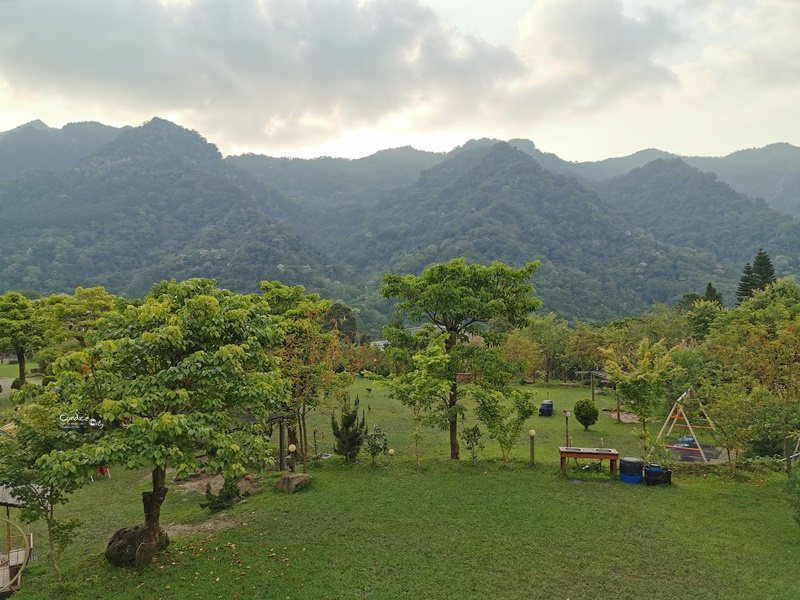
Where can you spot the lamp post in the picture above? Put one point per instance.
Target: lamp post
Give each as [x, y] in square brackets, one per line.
[532, 433]
[291, 461]
[567, 415]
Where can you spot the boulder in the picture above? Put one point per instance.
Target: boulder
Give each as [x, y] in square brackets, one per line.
[121, 549]
[290, 482]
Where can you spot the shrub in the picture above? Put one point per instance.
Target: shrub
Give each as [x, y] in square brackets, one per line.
[376, 443]
[471, 436]
[15, 385]
[586, 412]
[226, 498]
[47, 380]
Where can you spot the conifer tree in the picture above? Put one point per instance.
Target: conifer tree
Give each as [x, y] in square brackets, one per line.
[747, 282]
[762, 268]
[712, 295]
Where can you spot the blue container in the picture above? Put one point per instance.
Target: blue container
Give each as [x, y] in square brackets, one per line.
[630, 469]
[630, 478]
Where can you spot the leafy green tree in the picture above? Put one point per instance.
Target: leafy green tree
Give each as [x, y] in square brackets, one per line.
[582, 349]
[20, 328]
[178, 381]
[33, 468]
[758, 345]
[341, 318]
[504, 423]
[460, 299]
[550, 333]
[586, 412]
[424, 388]
[68, 321]
[640, 379]
[732, 408]
[309, 356]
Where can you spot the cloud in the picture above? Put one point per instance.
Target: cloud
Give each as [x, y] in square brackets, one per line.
[280, 71]
[584, 55]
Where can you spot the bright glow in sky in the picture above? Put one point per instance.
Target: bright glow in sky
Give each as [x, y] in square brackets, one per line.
[586, 79]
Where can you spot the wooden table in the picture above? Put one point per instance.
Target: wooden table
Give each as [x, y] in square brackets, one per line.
[608, 454]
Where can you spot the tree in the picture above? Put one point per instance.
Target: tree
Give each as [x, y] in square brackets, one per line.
[460, 300]
[586, 412]
[758, 345]
[309, 356]
[756, 276]
[712, 295]
[27, 460]
[504, 423]
[20, 328]
[340, 317]
[425, 388]
[68, 321]
[178, 381]
[582, 349]
[640, 379]
[349, 432]
[732, 409]
[763, 269]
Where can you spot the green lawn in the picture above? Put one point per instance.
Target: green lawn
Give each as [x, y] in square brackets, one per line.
[452, 529]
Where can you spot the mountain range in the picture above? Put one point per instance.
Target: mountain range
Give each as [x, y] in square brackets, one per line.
[89, 204]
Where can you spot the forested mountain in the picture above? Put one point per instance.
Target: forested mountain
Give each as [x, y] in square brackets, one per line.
[156, 202]
[683, 206]
[131, 206]
[497, 203]
[37, 146]
[323, 196]
[771, 173]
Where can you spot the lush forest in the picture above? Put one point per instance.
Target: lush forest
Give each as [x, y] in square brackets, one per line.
[90, 205]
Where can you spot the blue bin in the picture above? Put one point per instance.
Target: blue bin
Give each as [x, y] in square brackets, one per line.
[630, 469]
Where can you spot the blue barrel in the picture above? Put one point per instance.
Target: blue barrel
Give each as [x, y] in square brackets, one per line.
[630, 469]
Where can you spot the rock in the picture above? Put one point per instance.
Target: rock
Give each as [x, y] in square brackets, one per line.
[290, 482]
[121, 549]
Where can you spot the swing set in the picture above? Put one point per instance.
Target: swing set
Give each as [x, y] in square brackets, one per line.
[690, 443]
[16, 547]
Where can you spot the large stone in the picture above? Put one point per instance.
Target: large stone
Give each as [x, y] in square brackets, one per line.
[121, 549]
[290, 482]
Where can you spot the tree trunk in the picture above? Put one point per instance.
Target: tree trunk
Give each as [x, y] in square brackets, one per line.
[152, 517]
[53, 549]
[21, 360]
[454, 449]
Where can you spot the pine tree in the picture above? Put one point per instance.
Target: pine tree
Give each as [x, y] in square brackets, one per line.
[755, 277]
[762, 268]
[712, 295]
[746, 284]
[349, 432]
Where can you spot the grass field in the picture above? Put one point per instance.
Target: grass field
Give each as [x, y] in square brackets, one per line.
[451, 529]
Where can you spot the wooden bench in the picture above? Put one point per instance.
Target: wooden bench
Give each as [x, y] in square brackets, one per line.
[608, 454]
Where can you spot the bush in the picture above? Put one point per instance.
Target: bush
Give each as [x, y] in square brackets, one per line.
[15, 385]
[471, 436]
[226, 498]
[586, 412]
[47, 380]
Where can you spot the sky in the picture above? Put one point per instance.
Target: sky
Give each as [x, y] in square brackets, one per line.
[584, 79]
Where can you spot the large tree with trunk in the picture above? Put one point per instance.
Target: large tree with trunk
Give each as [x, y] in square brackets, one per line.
[460, 299]
[182, 380]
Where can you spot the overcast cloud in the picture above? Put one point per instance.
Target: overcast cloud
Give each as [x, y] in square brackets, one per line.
[348, 77]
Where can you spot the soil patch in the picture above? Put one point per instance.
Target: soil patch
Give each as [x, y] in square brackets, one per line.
[625, 416]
